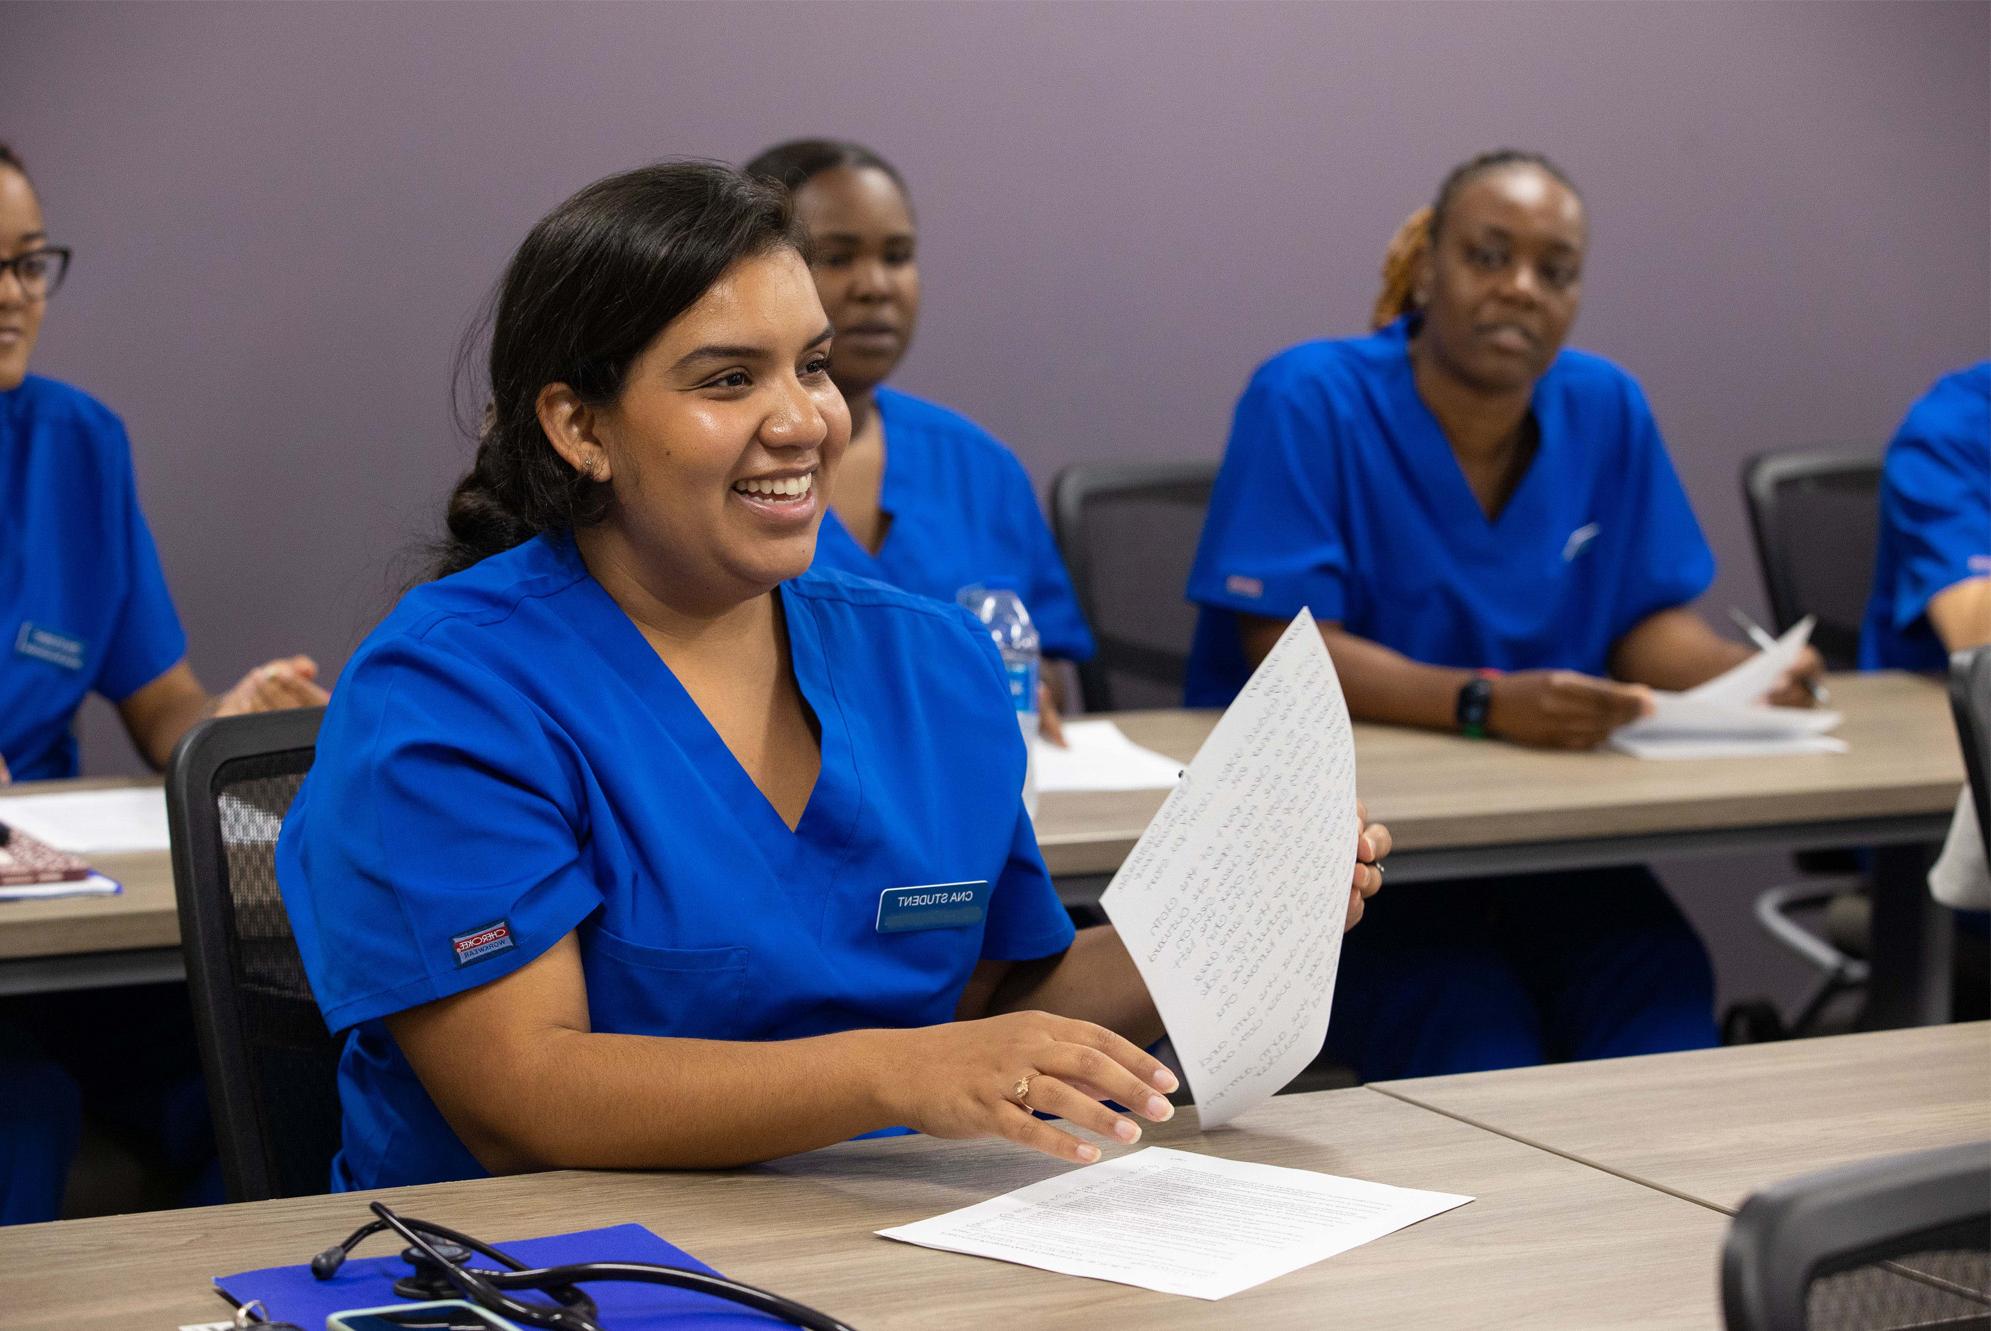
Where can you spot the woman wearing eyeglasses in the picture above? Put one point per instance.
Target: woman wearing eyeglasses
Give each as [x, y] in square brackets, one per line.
[84, 608]
[83, 601]
[633, 842]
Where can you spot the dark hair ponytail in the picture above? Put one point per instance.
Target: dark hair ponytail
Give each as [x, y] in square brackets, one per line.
[592, 285]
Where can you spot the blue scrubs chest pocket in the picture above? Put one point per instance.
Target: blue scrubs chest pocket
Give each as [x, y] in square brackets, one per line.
[698, 992]
[932, 906]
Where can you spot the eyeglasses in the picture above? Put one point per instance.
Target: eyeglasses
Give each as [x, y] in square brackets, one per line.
[39, 272]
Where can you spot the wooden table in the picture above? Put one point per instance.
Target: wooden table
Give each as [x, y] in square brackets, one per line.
[1462, 808]
[1549, 1242]
[93, 942]
[1716, 1125]
[1456, 807]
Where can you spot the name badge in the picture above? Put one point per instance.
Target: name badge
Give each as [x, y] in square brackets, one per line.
[48, 645]
[934, 906]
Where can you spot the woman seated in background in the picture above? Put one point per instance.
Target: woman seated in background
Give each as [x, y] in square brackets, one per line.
[1491, 535]
[84, 608]
[83, 602]
[926, 499]
[619, 803]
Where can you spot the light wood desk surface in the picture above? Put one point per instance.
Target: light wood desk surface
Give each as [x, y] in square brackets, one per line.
[141, 918]
[1443, 792]
[1716, 1125]
[1548, 1243]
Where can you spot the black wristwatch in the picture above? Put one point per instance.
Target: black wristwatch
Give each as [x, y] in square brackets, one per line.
[1475, 701]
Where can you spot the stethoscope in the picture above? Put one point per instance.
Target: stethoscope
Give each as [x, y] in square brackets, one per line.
[439, 1260]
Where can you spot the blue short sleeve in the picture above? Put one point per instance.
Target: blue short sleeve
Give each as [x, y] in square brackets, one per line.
[146, 640]
[1026, 920]
[1272, 540]
[441, 843]
[1669, 562]
[1935, 519]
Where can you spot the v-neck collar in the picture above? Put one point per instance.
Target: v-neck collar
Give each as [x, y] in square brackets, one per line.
[1430, 454]
[829, 815]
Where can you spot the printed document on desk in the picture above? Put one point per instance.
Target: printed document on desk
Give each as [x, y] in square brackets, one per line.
[1233, 901]
[1099, 756]
[92, 822]
[1178, 1222]
[1726, 717]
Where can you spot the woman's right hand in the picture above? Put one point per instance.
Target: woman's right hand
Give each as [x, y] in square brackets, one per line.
[1562, 709]
[958, 1079]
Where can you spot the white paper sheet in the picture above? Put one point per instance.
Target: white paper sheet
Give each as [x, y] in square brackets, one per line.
[1748, 682]
[1233, 900]
[1178, 1222]
[96, 885]
[1099, 756]
[92, 822]
[1726, 717]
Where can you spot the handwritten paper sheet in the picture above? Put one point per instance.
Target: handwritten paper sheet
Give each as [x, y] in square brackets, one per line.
[92, 822]
[1727, 718]
[1178, 1222]
[1099, 756]
[1232, 902]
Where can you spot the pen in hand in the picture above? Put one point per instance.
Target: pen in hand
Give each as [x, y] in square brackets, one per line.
[1764, 642]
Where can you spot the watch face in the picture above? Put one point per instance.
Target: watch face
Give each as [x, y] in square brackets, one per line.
[1475, 699]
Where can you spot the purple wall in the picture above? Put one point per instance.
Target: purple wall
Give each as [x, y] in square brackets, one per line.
[285, 215]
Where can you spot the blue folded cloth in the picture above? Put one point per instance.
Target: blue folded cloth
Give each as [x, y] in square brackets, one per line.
[290, 1293]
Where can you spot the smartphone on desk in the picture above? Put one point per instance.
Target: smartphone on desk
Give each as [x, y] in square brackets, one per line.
[449, 1315]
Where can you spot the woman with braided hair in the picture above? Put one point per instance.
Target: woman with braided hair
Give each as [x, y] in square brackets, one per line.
[1490, 533]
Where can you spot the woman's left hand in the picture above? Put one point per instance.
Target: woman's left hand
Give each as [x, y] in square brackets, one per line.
[1370, 851]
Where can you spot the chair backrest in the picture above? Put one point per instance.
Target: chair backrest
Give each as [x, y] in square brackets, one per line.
[1128, 532]
[271, 1065]
[1970, 701]
[1901, 1241]
[1816, 517]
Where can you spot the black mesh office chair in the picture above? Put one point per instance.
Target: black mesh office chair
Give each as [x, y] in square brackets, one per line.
[1970, 701]
[1128, 532]
[1898, 1242]
[1816, 520]
[271, 1065]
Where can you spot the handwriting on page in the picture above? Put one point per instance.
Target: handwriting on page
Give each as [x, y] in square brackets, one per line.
[1233, 902]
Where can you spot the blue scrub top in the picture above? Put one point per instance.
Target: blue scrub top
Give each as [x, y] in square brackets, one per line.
[1339, 492]
[1935, 519]
[963, 512]
[83, 601]
[506, 760]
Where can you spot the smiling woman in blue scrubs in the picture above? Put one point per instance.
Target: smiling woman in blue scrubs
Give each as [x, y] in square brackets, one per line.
[83, 609]
[1489, 531]
[926, 499]
[632, 841]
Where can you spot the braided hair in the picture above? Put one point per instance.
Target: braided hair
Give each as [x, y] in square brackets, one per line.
[592, 285]
[1413, 240]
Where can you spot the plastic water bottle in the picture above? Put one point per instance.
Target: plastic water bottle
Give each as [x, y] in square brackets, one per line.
[1001, 610]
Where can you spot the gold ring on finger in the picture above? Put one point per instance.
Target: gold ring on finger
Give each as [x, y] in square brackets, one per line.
[1021, 1092]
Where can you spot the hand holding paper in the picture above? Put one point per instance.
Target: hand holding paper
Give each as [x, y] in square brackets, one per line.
[1233, 902]
[1726, 717]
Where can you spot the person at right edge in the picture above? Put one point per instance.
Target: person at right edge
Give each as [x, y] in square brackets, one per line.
[1931, 597]
[1490, 533]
